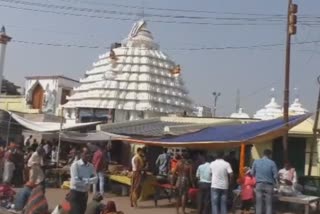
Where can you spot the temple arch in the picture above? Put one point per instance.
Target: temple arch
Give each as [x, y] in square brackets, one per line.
[37, 97]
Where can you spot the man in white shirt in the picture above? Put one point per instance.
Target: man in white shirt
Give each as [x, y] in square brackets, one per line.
[288, 179]
[204, 176]
[35, 163]
[222, 173]
[82, 176]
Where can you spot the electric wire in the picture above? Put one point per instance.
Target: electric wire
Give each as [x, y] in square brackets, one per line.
[167, 49]
[238, 22]
[171, 9]
[117, 12]
[234, 21]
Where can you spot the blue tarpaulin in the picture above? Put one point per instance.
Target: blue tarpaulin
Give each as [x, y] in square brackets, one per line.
[228, 135]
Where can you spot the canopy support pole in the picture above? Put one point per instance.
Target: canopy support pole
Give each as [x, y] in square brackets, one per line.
[242, 159]
[315, 133]
[59, 139]
[8, 130]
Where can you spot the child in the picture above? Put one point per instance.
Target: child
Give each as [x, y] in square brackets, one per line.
[247, 190]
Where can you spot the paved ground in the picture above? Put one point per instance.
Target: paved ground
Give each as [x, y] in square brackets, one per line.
[55, 196]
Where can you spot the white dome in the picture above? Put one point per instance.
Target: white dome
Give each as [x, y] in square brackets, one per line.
[271, 111]
[239, 114]
[296, 108]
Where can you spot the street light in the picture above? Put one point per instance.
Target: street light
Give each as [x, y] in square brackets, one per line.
[215, 99]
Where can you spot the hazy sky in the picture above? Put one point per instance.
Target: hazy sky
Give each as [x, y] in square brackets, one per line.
[252, 70]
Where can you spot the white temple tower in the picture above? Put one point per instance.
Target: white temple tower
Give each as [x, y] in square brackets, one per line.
[134, 80]
[4, 39]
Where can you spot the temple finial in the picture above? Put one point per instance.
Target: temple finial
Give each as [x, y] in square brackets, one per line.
[272, 92]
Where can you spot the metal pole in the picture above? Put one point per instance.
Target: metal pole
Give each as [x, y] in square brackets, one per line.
[59, 139]
[286, 88]
[315, 133]
[215, 105]
[8, 130]
[215, 96]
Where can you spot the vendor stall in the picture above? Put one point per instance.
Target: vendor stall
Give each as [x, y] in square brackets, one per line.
[148, 189]
[120, 175]
[227, 136]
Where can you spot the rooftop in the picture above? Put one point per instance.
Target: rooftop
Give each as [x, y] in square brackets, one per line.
[50, 77]
[160, 126]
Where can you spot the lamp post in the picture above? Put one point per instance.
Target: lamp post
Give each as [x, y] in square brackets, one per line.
[215, 100]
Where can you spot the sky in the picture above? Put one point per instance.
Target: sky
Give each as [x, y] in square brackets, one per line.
[258, 26]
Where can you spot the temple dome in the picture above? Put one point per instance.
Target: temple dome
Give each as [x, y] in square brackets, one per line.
[271, 111]
[296, 108]
[239, 114]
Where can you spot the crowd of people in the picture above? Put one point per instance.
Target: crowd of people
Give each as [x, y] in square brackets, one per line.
[215, 178]
[24, 165]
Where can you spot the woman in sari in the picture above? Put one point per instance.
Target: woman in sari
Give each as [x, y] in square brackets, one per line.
[37, 202]
[183, 172]
[136, 180]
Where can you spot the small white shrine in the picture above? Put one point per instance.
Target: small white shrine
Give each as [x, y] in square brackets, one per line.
[134, 80]
[240, 114]
[296, 107]
[271, 111]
